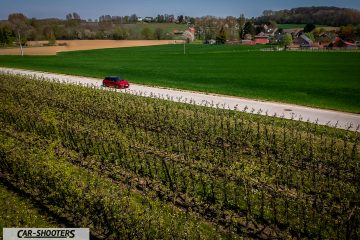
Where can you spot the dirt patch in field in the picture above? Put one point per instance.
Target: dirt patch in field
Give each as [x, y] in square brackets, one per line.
[37, 48]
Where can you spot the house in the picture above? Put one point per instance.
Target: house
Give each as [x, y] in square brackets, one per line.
[325, 38]
[340, 43]
[295, 32]
[148, 19]
[261, 38]
[304, 41]
[233, 42]
[266, 28]
[247, 42]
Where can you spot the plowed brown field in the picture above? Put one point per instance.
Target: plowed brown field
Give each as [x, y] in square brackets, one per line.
[75, 45]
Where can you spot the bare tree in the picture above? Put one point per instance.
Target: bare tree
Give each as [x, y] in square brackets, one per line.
[18, 22]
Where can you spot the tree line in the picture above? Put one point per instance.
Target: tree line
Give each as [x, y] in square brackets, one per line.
[19, 27]
[329, 16]
[73, 27]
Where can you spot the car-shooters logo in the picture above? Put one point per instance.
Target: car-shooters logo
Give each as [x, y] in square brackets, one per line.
[46, 233]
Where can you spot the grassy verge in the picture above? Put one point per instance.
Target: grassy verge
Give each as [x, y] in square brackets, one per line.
[318, 79]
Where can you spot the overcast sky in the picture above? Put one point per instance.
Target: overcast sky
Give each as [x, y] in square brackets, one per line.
[95, 8]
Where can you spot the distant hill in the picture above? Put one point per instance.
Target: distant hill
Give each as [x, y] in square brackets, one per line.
[329, 16]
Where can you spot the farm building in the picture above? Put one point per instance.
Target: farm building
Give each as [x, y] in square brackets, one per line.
[148, 19]
[295, 32]
[325, 38]
[247, 42]
[340, 43]
[304, 41]
[261, 39]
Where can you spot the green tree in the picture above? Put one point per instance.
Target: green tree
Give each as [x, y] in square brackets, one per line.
[309, 27]
[120, 34]
[221, 37]
[272, 24]
[17, 19]
[180, 18]
[51, 38]
[347, 33]
[7, 36]
[241, 23]
[357, 32]
[19, 23]
[73, 20]
[249, 28]
[2, 37]
[286, 40]
[310, 35]
[146, 33]
[159, 33]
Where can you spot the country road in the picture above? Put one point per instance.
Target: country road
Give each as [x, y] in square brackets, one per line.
[288, 111]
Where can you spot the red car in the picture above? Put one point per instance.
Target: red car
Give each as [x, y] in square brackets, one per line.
[115, 82]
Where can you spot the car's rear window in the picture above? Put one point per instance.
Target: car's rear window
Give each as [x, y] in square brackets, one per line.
[114, 79]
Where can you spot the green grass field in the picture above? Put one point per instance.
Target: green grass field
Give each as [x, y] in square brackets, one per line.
[318, 79]
[167, 28]
[289, 26]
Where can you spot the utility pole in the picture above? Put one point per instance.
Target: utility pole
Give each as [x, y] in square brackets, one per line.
[184, 48]
[186, 39]
[21, 48]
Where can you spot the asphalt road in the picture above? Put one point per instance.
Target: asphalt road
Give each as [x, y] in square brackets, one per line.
[324, 117]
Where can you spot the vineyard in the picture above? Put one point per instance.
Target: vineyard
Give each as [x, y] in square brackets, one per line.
[131, 167]
[23, 211]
